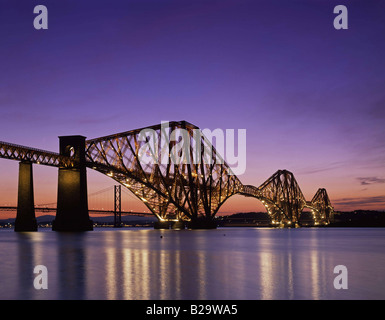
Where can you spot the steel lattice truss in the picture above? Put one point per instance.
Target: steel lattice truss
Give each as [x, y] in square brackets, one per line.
[281, 195]
[21, 153]
[192, 188]
[179, 175]
[321, 207]
[284, 200]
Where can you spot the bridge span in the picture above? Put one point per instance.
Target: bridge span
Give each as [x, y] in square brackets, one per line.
[184, 193]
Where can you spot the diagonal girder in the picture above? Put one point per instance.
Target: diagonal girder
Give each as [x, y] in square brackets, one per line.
[168, 168]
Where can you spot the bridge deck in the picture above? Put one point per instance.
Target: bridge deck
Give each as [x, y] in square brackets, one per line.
[21, 153]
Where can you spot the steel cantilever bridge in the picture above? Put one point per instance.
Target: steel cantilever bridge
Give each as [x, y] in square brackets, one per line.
[189, 192]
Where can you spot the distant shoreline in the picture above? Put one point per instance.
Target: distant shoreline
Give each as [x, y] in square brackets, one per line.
[351, 219]
[357, 218]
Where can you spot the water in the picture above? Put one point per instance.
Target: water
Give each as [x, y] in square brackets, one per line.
[228, 263]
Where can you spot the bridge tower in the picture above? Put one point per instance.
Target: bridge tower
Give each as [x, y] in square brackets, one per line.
[25, 217]
[72, 203]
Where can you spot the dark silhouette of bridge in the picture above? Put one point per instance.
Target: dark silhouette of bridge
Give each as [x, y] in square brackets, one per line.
[188, 192]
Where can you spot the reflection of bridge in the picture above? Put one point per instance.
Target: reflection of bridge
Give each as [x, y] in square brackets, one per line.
[190, 191]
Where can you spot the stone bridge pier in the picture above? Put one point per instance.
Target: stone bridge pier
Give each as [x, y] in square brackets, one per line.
[72, 202]
[25, 216]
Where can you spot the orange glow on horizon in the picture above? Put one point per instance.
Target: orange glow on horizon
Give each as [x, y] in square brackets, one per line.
[344, 196]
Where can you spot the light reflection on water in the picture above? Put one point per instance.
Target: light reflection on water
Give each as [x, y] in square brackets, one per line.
[231, 263]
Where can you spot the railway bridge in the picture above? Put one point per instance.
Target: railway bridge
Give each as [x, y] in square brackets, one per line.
[178, 182]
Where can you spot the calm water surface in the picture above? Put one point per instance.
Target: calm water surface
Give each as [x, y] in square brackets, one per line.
[228, 263]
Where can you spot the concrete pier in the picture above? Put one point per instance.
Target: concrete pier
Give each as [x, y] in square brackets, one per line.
[72, 203]
[178, 225]
[202, 223]
[25, 217]
[162, 225]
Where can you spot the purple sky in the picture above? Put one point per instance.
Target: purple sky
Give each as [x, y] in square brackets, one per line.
[311, 98]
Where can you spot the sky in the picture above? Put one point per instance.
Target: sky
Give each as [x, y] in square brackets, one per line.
[310, 97]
